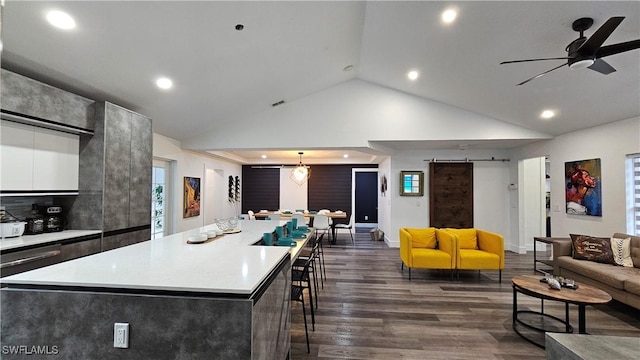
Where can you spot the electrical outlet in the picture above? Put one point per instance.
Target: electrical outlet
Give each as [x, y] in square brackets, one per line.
[366, 217]
[121, 335]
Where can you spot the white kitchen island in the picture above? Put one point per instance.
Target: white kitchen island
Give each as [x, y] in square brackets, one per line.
[223, 299]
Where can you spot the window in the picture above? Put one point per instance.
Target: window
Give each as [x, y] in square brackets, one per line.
[160, 206]
[633, 194]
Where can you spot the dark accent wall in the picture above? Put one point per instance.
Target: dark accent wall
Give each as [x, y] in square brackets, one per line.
[260, 189]
[329, 188]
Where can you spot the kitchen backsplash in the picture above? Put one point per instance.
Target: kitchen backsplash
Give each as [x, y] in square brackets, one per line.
[20, 206]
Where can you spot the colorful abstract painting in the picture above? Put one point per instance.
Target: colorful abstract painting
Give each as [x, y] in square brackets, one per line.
[191, 197]
[583, 186]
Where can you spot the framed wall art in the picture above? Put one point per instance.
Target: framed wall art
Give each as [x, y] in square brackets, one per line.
[583, 186]
[411, 183]
[191, 203]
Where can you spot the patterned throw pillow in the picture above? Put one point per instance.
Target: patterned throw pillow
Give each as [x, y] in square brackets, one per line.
[621, 249]
[592, 248]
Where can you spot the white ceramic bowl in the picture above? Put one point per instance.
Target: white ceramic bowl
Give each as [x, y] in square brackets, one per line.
[211, 234]
[201, 237]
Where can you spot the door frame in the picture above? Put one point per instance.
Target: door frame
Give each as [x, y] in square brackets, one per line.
[353, 191]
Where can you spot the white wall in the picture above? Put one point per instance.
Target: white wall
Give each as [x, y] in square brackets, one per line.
[213, 173]
[384, 201]
[490, 188]
[531, 183]
[388, 114]
[611, 143]
[292, 195]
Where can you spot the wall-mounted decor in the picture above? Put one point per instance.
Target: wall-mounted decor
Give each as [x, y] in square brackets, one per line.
[231, 193]
[191, 204]
[383, 185]
[237, 191]
[411, 183]
[583, 187]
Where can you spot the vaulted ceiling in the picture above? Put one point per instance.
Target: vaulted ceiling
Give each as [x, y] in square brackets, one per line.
[289, 51]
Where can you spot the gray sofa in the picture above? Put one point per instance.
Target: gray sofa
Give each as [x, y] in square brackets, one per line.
[622, 283]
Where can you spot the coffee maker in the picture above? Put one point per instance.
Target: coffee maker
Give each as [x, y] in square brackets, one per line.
[53, 220]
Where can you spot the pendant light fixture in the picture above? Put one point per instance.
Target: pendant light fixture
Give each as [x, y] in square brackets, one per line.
[301, 172]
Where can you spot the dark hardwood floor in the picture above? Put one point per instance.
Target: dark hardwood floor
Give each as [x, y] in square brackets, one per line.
[369, 309]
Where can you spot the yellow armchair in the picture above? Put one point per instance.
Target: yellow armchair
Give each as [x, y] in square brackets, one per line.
[479, 250]
[427, 248]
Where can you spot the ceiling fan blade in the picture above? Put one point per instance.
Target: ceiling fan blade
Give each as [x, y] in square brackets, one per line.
[527, 60]
[617, 48]
[598, 38]
[602, 67]
[539, 75]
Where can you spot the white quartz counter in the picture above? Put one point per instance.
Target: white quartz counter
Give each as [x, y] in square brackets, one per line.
[41, 239]
[228, 264]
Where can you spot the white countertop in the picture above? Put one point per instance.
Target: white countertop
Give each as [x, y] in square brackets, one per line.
[228, 264]
[28, 240]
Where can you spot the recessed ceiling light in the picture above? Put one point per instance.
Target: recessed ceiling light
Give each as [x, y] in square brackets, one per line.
[264, 156]
[61, 20]
[345, 156]
[547, 114]
[412, 75]
[164, 83]
[449, 15]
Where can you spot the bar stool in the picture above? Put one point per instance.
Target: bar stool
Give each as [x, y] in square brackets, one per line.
[297, 294]
[311, 252]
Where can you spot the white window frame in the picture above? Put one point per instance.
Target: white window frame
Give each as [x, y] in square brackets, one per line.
[167, 225]
[633, 194]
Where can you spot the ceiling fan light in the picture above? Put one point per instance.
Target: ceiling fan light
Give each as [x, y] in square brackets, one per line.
[581, 64]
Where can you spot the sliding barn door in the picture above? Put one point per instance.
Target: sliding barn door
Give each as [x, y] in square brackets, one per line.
[451, 195]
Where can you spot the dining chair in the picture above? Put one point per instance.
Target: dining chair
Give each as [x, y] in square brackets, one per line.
[252, 215]
[348, 226]
[326, 212]
[321, 225]
[297, 294]
[275, 217]
[301, 219]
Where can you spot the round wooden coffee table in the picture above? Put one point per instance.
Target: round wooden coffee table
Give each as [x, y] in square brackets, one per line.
[582, 296]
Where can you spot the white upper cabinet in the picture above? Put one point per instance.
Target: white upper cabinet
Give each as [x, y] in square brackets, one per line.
[36, 159]
[55, 160]
[16, 156]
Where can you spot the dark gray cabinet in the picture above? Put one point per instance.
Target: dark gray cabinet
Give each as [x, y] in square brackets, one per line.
[124, 239]
[128, 160]
[79, 249]
[140, 174]
[115, 177]
[26, 96]
[117, 167]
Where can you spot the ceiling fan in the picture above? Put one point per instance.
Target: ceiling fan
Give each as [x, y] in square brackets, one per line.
[583, 52]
